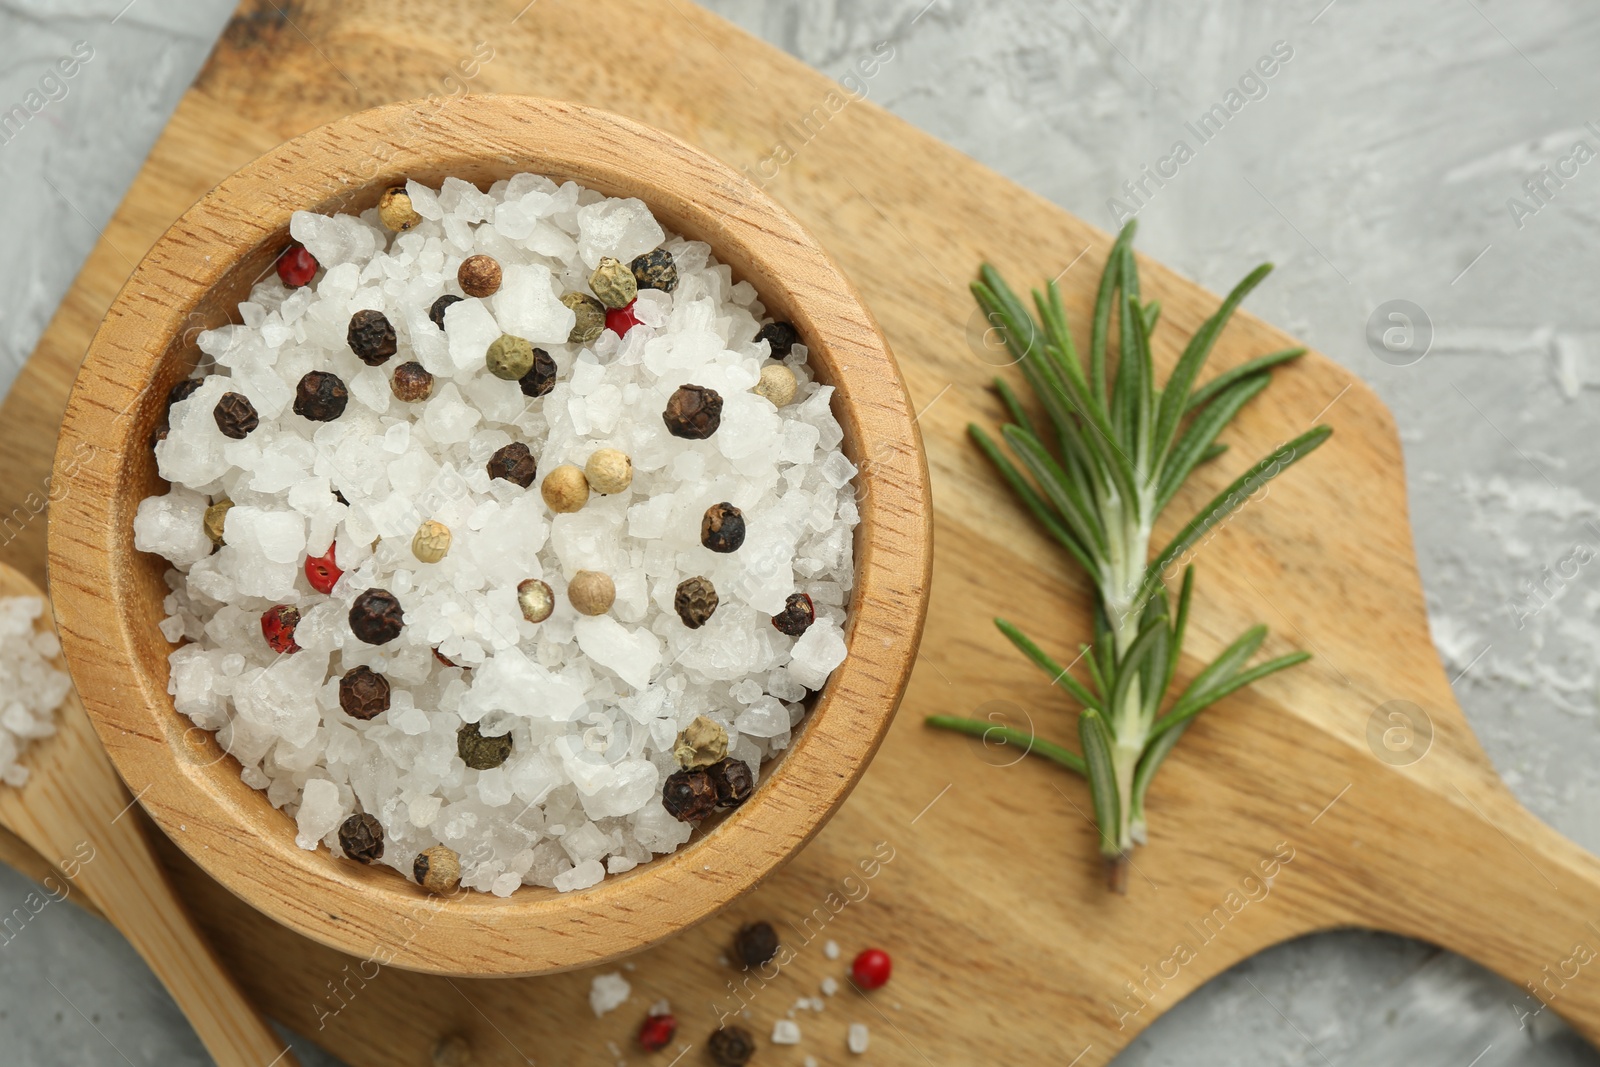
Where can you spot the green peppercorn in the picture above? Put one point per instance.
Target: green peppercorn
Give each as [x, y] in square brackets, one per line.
[591, 317]
[216, 518]
[479, 752]
[509, 357]
[702, 743]
[613, 284]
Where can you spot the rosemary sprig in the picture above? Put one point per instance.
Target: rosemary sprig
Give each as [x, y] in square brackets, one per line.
[1112, 453]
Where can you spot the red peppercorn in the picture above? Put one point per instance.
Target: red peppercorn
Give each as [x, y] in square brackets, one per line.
[297, 267]
[277, 626]
[322, 572]
[656, 1032]
[871, 968]
[620, 320]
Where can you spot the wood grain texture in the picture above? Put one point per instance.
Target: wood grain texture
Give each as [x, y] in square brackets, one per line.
[1006, 945]
[108, 596]
[74, 808]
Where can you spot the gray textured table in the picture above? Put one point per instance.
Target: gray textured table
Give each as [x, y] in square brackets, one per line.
[1385, 160]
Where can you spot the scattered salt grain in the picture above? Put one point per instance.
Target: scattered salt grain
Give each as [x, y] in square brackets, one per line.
[858, 1038]
[830, 984]
[608, 992]
[785, 1032]
[830, 949]
[31, 689]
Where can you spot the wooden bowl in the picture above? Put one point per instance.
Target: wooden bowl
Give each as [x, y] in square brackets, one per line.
[108, 596]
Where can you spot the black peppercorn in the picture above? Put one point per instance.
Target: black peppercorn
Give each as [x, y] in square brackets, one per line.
[542, 378]
[440, 306]
[695, 601]
[731, 1046]
[732, 780]
[340, 498]
[796, 617]
[236, 416]
[182, 391]
[689, 796]
[781, 336]
[320, 397]
[411, 382]
[655, 270]
[363, 693]
[371, 337]
[361, 838]
[755, 943]
[376, 618]
[479, 752]
[693, 412]
[722, 530]
[515, 464]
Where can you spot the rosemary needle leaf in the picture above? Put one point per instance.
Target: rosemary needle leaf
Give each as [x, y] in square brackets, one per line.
[1101, 324]
[1231, 499]
[1058, 674]
[1014, 406]
[1151, 762]
[1201, 433]
[1062, 492]
[1212, 452]
[1095, 738]
[1181, 714]
[1216, 385]
[1030, 497]
[1030, 744]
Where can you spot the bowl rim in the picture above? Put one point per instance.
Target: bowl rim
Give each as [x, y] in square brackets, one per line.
[99, 584]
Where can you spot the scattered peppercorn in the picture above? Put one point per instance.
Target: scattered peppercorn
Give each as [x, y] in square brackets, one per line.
[479, 276]
[453, 1050]
[479, 752]
[236, 416]
[796, 617]
[620, 320]
[216, 518]
[361, 838]
[340, 498]
[693, 412]
[396, 211]
[591, 317]
[565, 489]
[322, 572]
[376, 617]
[608, 471]
[509, 357]
[731, 1046]
[613, 284]
[437, 868]
[536, 599]
[182, 391]
[431, 542]
[722, 529]
[411, 382]
[755, 943]
[515, 464]
[447, 661]
[542, 377]
[320, 396]
[656, 1032]
[695, 601]
[733, 781]
[871, 968]
[371, 337]
[655, 270]
[277, 626]
[592, 592]
[689, 796]
[702, 743]
[296, 267]
[781, 336]
[363, 693]
[777, 384]
[440, 306]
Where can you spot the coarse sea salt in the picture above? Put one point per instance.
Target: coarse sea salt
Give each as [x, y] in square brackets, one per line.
[32, 687]
[593, 705]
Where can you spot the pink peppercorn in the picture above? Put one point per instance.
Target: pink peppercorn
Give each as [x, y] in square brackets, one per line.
[620, 320]
[322, 572]
[871, 969]
[277, 626]
[656, 1032]
[297, 267]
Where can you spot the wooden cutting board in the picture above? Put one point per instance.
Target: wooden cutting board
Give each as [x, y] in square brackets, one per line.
[1006, 945]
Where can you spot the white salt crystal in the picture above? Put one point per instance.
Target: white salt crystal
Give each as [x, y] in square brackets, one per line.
[608, 992]
[858, 1038]
[172, 526]
[582, 876]
[320, 813]
[785, 1032]
[816, 653]
[622, 229]
[830, 949]
[632, 654]
[830, 984]
[529, 307]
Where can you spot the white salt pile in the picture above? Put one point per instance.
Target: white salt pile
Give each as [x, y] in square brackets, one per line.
[330, 483]
[31, 688]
